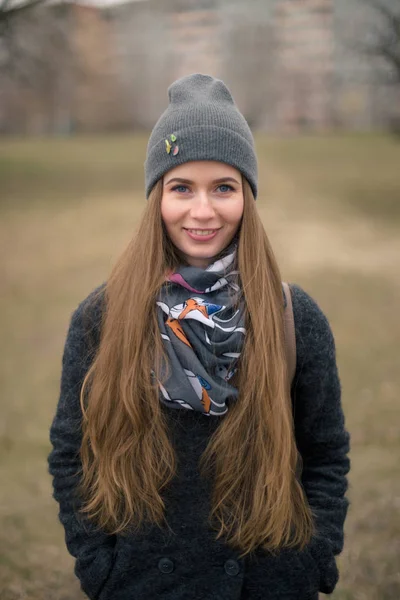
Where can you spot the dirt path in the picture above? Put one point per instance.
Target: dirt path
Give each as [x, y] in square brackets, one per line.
[310, 233]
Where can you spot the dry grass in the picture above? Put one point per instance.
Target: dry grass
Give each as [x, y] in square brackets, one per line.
[70, 207]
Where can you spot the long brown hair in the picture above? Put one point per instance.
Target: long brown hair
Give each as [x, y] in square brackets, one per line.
[127, 456]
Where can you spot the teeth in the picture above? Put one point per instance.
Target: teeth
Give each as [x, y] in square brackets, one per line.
[202, 231]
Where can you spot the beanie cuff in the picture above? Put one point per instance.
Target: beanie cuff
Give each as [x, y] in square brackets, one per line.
[202, 143]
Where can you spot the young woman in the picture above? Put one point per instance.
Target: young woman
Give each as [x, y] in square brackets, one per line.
[186, 461]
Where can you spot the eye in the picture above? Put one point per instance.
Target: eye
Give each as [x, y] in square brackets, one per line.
[224, 187]
[180, 188]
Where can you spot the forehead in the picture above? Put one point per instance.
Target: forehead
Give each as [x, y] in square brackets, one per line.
[203, 170]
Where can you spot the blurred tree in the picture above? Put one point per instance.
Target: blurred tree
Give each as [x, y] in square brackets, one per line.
[9, 12]
[35, 65]
[384, 38]
[383, 45]
[31, 34]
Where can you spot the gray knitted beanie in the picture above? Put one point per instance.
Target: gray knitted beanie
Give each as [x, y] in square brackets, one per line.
[202, 122]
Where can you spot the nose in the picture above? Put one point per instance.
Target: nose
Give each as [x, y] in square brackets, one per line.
[202, 208]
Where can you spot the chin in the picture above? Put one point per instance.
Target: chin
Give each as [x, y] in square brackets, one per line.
[208, 252]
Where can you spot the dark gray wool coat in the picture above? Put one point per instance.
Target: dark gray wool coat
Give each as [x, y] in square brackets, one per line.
[188, 563]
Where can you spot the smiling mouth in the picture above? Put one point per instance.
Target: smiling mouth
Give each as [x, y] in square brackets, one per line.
[202, 231]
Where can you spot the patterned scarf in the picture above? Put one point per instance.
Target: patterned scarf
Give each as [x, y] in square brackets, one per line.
[202, 334]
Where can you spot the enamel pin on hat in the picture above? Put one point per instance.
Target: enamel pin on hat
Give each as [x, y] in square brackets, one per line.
[169, 146]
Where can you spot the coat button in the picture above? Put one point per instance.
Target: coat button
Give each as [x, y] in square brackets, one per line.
[165, 565]
[231, 567]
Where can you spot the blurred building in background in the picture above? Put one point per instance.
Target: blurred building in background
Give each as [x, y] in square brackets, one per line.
[305, 64]
[96, 92]
[293, 65]
[194, 28]
[61, 73]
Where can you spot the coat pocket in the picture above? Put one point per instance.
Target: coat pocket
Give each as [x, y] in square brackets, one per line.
[93, 569]
[311, 568]
[319, 551]
[287, 574]
[107, 588]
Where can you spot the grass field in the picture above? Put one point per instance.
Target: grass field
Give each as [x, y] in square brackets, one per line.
[68, 207]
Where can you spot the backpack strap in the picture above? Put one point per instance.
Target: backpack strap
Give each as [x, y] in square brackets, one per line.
[290, 335]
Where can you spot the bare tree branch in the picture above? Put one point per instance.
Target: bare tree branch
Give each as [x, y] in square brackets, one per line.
[8, 12]
[385, 37]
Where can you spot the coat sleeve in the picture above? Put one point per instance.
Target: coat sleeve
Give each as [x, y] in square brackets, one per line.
[92, 548]
[321, 436]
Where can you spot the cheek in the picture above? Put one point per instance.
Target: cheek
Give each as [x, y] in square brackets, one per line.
[168, 213]
[234, 214]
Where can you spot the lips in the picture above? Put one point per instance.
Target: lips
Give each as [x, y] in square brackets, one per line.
[201, 235]
[202, 231]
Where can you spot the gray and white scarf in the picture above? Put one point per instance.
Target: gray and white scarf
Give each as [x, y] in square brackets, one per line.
[203, 334]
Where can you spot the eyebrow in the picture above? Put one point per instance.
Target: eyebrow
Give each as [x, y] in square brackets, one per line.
[220, 180]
